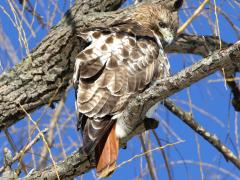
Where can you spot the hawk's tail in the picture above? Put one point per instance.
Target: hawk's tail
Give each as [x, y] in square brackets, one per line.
[106, 153]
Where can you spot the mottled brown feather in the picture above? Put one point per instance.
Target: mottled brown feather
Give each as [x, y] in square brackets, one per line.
[130, 71]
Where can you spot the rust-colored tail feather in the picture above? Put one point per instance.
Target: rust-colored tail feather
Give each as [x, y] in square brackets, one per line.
[106, 153]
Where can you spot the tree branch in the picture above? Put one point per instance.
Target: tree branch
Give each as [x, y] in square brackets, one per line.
[212, 139]
[205, 46]
[198, 45]
[19, 155]
[151, 167]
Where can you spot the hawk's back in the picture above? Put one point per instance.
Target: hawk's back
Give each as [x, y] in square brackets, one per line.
[111, 69]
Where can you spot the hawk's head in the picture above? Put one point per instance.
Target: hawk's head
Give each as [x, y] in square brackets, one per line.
[160, 19]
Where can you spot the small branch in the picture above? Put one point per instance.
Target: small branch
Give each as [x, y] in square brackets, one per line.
[148, 159]
[149, 151]
[29, 8]
[50, 134]
[165, 158]
[43, 138]
[25, 149]
[212, 139]
[8, 172]
[14, 147]
[198, 45]
[195, 14]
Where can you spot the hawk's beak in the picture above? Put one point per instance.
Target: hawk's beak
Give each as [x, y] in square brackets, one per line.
[167, 36]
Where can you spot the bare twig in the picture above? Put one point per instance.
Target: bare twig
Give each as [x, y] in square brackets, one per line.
[149, 162]
[149, 151]
[50, 134]
[28, 6]
[14, 147]
[195, 14]
[165, 158]
[44, 140]
[25, 149]
[207, 166]
[8, 172]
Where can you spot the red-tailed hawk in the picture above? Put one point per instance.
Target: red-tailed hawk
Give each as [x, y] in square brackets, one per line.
[121, 61]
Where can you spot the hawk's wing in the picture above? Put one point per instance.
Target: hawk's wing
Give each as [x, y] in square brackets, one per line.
[115, 66]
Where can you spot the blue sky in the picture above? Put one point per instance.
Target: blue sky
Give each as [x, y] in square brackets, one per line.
[211, 107]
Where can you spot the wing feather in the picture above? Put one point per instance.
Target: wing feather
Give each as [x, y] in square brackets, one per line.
[113, 68]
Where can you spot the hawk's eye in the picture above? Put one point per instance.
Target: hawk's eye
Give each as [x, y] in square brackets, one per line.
[162, 25]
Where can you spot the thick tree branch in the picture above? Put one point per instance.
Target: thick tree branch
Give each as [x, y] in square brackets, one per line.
[198, 45]
[205, 46]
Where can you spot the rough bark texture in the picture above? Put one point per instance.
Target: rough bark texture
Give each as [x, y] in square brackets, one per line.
[198, 45]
